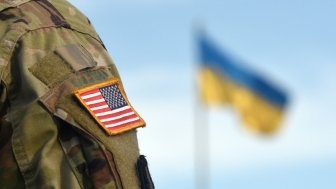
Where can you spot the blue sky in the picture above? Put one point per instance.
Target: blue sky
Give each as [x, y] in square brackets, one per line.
[292, 43]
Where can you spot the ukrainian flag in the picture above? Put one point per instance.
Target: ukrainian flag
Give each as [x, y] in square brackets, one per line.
[223, 81]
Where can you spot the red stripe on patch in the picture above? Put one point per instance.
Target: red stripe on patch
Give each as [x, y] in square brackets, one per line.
[120, 119]
[115, 114]
[90, 92]
[93, 98]
[120, 127]
[102, 111]
[96, 105]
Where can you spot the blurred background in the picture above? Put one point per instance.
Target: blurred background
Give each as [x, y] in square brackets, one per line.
[290, 42]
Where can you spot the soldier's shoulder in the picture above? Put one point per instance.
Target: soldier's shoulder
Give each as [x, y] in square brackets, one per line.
[19, 17]
[28, 15]
[4, 4]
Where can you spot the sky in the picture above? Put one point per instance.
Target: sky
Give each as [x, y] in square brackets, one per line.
[291, 42]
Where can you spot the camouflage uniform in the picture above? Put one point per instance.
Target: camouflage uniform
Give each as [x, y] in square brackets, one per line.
[48, 49]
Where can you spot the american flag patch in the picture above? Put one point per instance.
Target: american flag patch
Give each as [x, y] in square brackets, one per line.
[109, 106]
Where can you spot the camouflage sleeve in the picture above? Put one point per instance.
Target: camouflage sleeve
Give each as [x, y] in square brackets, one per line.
[10, 176]
[51, 61]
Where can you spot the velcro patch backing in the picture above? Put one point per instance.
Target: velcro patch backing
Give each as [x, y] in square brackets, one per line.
[108, 105]
[51, 70]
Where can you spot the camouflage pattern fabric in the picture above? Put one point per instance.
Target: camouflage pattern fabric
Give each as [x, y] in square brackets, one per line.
[48, 49]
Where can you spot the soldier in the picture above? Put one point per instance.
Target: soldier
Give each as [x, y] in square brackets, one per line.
[66, 122]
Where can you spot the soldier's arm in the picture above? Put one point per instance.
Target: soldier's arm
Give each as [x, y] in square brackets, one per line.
[72, 123]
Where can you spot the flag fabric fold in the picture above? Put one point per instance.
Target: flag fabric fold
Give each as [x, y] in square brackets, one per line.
[224, 81]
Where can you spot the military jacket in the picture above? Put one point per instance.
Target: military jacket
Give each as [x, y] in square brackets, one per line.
[50, 57]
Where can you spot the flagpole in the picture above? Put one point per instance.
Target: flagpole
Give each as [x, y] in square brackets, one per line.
[201, 131]
[201, 146]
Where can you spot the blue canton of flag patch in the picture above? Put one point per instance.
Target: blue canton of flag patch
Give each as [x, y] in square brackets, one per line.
[109, 106]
